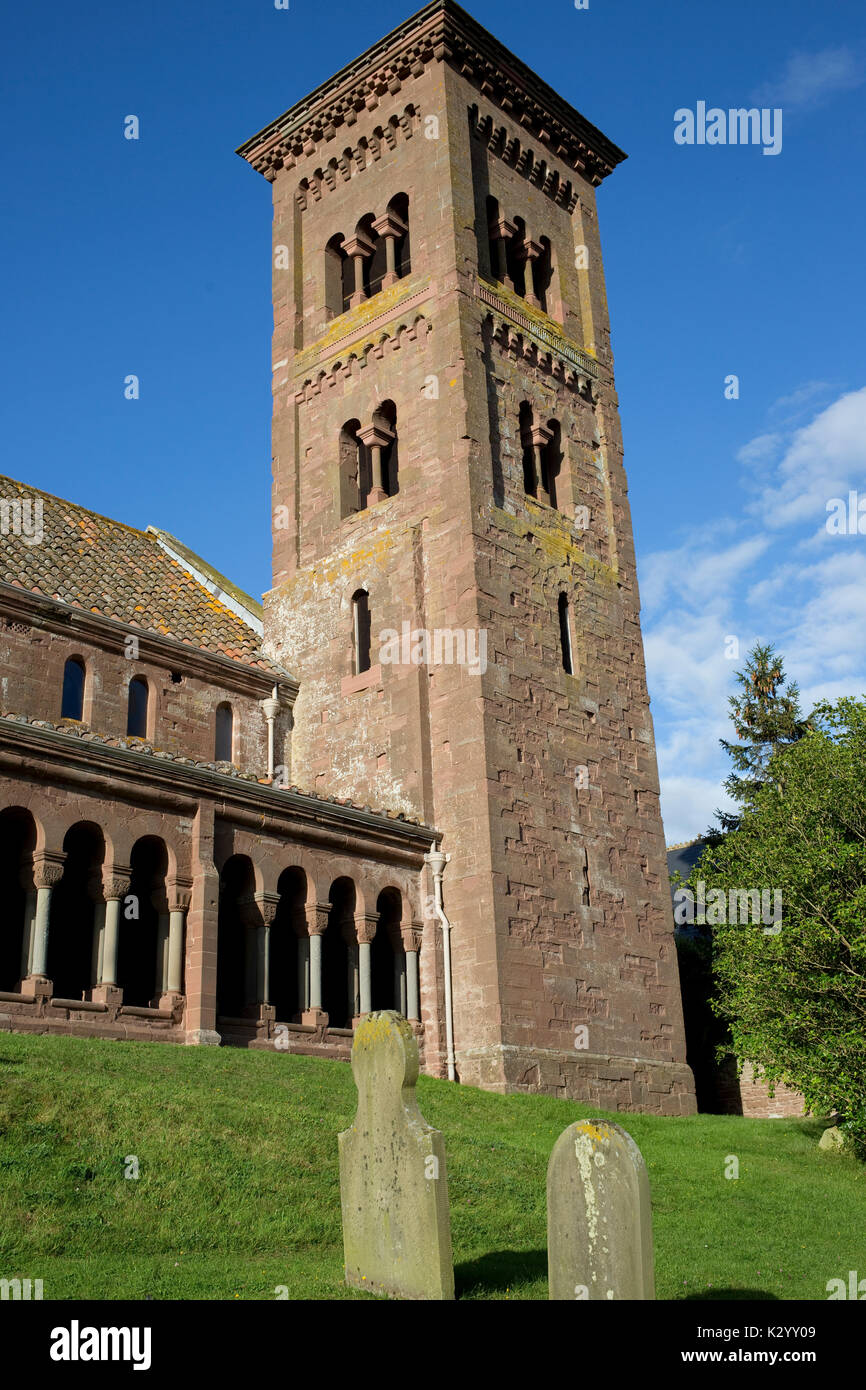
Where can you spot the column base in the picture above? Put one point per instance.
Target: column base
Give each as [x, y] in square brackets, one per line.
[314, 1018]
[376, 494]
[112, 995]
[389, 278]
[39, 986]
[356, 299]
[172, 1000]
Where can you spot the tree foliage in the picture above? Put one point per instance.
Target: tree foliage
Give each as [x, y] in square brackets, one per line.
[767, 718]
[795, 1002]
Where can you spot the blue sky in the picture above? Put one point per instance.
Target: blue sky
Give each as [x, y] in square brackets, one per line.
[153, 257]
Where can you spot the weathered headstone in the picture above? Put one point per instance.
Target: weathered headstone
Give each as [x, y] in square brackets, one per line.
[599, 1221]
[393, 1188]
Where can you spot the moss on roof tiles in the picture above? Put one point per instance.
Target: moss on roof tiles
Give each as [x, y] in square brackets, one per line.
[120, 573]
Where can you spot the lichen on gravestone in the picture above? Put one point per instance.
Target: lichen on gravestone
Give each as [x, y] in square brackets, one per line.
[393, 1185]
[599, 1218]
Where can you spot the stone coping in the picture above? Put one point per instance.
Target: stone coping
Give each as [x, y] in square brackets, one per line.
[292, 798]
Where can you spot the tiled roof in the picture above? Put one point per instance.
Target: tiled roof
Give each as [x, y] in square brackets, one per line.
[89, 561]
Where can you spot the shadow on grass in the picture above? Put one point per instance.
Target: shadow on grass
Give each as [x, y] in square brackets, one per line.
[732, 1295]
[501, 1269]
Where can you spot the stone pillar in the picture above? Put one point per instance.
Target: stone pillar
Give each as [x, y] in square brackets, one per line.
[98, 943]
[178, 898]
[365, 925]
[115, 886]
[176, 922]
[267, 904]
[303, 974]
[391, 227]
[47, 873]
[315, 973]
[376, 437]
[162, 933]
[540, 437]
[500, 232]
[400, 996]
[366, 983]
[354, 982]
[317, 915]
[359, 247]
[530, 251]
[412, 945]
[258, 915]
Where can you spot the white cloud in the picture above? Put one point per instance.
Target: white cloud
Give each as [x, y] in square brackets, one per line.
[760, 449]
[701, 572]
[689, 805]
[789, 408]
[788, 583]
[823, 459]
[812, 79]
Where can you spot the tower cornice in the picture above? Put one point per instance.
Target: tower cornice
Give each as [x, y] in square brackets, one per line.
[441, 32]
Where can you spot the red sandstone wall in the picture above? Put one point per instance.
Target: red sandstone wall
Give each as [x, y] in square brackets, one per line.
[181, 714]
[489, 759]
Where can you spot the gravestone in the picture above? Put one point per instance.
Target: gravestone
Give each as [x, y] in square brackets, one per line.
[599, 1221]
[393, 1188]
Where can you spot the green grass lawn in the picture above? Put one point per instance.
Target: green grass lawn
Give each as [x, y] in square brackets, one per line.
[238, 1188]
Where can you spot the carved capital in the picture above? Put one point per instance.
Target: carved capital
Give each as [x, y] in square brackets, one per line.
[365, 926]
[267, 904]
[317, 915]
[115, 882]
[179, 894]
[541, 435]
[376, 435]
[47, 869]
[501, 230]
[411, 936]
[359, 245]
[389, 224]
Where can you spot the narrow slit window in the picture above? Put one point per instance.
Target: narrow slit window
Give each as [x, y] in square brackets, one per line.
[361, 620]
[224, 734]
[72, 700]
[565, 635]
[136, 718]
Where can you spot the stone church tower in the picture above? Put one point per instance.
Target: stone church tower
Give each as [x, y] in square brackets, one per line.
[454, 578]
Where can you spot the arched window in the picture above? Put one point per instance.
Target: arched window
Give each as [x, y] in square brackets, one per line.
[136, 717]
[495, 243]
[386, 415]
[530, 479]
[339, 277]
[551, 460]
[565, 635]
[72, 700]
[223, 733]
[398, 213]
[355, 477]
[543, 274]
[361, 630]
[515, 263]
[373, 261]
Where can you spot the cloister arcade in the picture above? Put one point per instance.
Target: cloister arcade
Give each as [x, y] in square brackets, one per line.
[291, 947]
